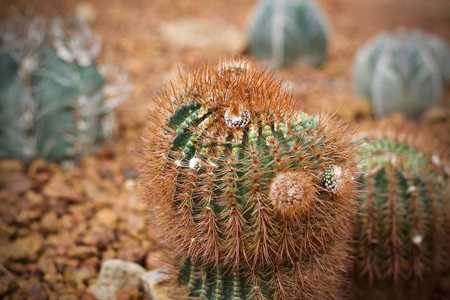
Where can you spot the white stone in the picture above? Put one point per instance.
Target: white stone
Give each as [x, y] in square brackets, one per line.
[150, 282]
[115, 274]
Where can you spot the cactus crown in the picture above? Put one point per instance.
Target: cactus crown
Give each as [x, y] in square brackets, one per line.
[284, 31]
[236, 175]
[402, 232]
[52, 93]
[401, 72]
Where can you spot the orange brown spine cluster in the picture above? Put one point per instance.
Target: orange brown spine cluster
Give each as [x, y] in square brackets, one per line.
[254, 195]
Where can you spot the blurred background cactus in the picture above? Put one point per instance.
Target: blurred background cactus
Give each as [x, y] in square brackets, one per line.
[254, 195]
[53, 100]
[402, 71]
[402, 229]
[285, 31]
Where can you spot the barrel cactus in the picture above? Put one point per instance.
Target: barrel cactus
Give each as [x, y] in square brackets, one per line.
[52, 100]
[284, 31]
[402, 71]
[253, 195]
[403, 223]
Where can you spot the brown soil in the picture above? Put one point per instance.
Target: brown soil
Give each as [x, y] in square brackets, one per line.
[58, 223]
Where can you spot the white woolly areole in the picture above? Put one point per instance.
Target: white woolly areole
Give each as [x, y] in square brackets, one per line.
[63, 52]
[237, 121]
[231, 66]
[411, 189]
[436, 160]
[29, 64]
[337, 170]
[194, 163]
[417, 239]
[291, 192]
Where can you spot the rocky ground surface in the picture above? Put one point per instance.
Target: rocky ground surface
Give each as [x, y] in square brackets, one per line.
[60, 222]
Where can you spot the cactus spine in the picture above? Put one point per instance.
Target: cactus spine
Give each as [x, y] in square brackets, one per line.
[52, 93]
[402, 71]
[254, 195]
[284, 31]
[402, 229]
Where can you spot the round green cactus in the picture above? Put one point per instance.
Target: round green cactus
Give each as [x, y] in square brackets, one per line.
[440, 51]
[52, 101]
[254, 195]
[402, 228]
[402, 71]
[284, 31]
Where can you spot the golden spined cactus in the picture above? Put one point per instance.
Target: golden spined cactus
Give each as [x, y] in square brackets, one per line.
[402, 228]
[254, 195]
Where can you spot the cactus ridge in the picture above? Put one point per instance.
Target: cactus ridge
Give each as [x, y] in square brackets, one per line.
[280, 281]
[403, 235]
[235, 173]
[214, 283]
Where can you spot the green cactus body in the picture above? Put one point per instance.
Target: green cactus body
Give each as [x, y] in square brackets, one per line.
[402, 229]
[236, 174]
[402, 72]
[214, 283]
[284, 31]
[52, 103]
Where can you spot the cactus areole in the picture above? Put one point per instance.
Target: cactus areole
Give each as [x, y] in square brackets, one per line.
[254, 195]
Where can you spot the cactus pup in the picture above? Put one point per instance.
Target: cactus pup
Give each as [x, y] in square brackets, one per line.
[253, 195]
[285, 31]
[403, 224]
[402, 71]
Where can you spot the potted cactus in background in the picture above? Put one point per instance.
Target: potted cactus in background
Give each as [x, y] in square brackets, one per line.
[402, 230]
[402, 71]
[254, 195]
[285, 31]
[52, 93]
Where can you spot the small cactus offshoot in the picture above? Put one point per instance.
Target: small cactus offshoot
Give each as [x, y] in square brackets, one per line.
[254, 195]
[285, 31]
[402, 71]
[52, 93]
[403, 224]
